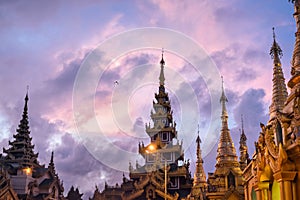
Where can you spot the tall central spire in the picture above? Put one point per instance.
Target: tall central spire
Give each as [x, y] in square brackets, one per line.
[279, 94]
[223, 101]
[162, 65]
[226, 151]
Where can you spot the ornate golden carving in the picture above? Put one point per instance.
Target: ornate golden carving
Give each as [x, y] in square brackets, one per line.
[141, 183]
[296, 106]
[270, 143]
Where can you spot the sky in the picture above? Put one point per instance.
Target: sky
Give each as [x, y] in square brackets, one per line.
[70, 55]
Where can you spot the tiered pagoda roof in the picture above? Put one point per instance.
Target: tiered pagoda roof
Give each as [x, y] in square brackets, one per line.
[21, 151]
[279, 94]
[226, 153]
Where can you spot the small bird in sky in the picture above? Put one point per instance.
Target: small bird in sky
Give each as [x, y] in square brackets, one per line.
[116, 82]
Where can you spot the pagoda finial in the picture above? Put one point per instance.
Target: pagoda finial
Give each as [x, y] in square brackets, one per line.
[51, 166]
[244, 156]
[242, 122]
[27, 88]
[223, 101]
[279, 94]
[162, 64]
[243, 135]
[24, 124]
[162, 57]
[275, 51]
[26, 99]
[51, 160]
[198, 140]
[226, 153]
[199, 176]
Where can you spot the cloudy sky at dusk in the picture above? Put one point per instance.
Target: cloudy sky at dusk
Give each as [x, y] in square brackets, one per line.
[45, 44]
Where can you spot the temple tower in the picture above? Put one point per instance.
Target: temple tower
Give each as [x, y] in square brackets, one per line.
[163, 131]
[272, 172]
[244, 156]
[226, 153]
[21, 153]
[226, 181]
[199, 184]
[28, 178]
[165, 174]
[199, 175]
[279, 92]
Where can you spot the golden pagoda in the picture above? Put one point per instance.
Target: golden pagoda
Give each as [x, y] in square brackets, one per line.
[244, 156]
[273, 172]
[199, 188]
[226, 181]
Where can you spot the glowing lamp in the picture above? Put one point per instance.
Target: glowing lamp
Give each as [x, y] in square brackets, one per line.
[151, 147]
[27, 170]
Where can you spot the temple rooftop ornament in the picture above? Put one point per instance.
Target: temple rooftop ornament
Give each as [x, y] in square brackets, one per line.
[279, 92]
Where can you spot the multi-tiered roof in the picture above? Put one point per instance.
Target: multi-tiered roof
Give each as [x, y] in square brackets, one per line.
[21, 150]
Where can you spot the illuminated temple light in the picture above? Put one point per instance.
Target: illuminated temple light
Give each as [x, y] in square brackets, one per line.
[27, 171]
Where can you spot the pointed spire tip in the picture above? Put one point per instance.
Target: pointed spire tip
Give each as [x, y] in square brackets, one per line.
[161, 75]
[27, 89]
[162, 57]
[242, 125]
[223, 97]
[198, 140]
[275, 51]
[52, 155]
[242, 120]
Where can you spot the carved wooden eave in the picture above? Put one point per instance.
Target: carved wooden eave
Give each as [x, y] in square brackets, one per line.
[293, 81]
[141, 183]
[156, 183]
[133, 195]
[158, 175]
[283, 117]
[168, 196]
[285, 176]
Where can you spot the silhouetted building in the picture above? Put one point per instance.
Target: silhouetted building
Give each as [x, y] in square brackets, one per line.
[165, 174]
[21, 172]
